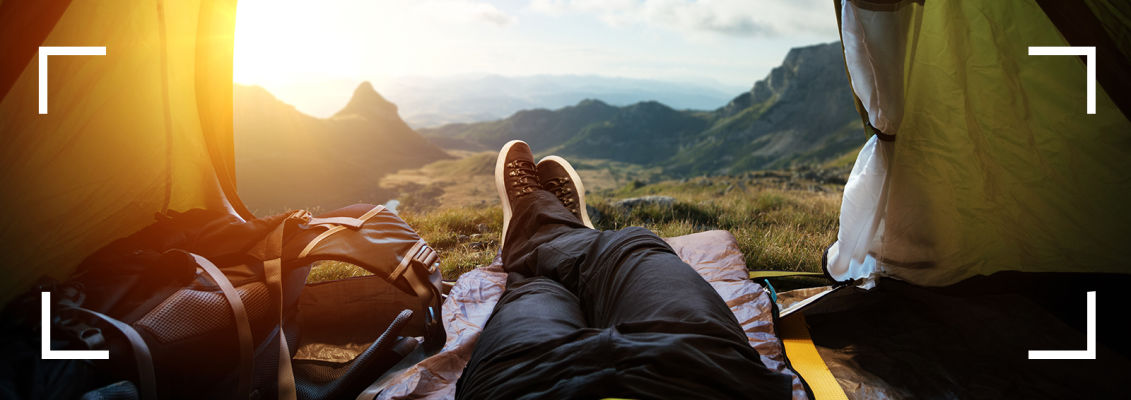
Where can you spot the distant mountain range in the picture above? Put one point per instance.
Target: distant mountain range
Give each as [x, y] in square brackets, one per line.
[431, 102]
[801, 112]
[287, 160]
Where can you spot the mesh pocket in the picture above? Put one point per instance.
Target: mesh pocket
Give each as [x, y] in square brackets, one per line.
[189, 313]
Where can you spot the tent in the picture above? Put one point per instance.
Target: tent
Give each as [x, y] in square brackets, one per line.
[985, 206]
[982, 159]
[143, 129]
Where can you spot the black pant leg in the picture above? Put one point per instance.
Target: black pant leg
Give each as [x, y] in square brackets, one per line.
[665, 332]
[533, 316]
[622, 276]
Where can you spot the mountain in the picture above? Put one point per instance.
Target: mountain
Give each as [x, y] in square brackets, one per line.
[801, 112]
[541, 128]
[643, 133]
[286, 159]
[432, 102]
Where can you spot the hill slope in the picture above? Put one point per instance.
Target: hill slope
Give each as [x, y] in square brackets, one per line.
[286, 159]
[801, 112]
[643, 133]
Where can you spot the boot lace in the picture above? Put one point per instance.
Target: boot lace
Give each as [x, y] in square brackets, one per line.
[563, 190]
[521, 178]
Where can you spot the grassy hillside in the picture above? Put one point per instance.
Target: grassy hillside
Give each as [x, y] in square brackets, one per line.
[783, 220]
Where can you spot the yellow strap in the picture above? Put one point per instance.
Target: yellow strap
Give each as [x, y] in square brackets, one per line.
[780, 274]
[805, 359]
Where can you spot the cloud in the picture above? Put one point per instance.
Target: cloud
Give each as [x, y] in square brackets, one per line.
[742, 18]
[464, 11]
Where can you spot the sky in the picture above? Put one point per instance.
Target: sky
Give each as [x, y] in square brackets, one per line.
[309, 53]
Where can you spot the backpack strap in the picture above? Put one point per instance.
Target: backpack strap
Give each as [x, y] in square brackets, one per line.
[239, 312]
[420, 253]
[371, 245]
[417, 266]
[270, 252]
[335, 225]
[142, 357]
[354, 223]
[273, 268]
[412, 269]
[273, 273]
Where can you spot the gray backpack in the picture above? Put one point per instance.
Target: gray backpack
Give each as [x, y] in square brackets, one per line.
[204, 305]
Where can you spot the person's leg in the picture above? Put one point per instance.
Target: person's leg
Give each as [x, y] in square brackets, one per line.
[657, 329]
[621, 277]
[533, 316]
[661, 319]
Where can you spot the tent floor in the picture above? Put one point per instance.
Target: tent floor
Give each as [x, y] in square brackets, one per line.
[971, 340]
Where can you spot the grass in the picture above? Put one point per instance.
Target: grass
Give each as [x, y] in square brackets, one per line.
[781, 221]
[777, 229]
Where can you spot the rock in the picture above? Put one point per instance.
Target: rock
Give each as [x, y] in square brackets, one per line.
[595, 215]
[836, 180]
[477, 245]
[476, 236]
[630, 203]
[463, 238]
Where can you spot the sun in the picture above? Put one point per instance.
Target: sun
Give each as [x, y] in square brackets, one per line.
[278, 43]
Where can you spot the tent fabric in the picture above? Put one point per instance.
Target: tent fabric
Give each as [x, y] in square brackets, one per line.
[714, 254]
[971, 339]
[1101, 24]
[995, 165]
[145, 128]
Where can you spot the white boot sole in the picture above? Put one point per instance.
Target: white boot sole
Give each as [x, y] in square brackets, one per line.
[577, 184]
[501, 186]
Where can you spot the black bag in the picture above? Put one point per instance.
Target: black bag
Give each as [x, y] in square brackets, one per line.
[204, 305]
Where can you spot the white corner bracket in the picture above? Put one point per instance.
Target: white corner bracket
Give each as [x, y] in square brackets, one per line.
[45, 339]
[1089, 53]
[1086, 354]
[45, 51]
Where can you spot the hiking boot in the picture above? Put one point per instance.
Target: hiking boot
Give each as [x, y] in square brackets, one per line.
[558, 177]
[515, 177]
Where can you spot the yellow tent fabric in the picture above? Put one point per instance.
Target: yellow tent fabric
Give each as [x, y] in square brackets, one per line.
[995, 165]
[143, 129]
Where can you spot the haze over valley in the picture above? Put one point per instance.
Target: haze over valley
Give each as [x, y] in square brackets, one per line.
[799, 114]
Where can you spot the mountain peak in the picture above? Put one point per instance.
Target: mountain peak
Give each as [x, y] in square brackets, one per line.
[801, 64]
[367, 102]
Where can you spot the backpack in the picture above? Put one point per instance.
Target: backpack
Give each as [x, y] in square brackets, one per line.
[204, 305]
